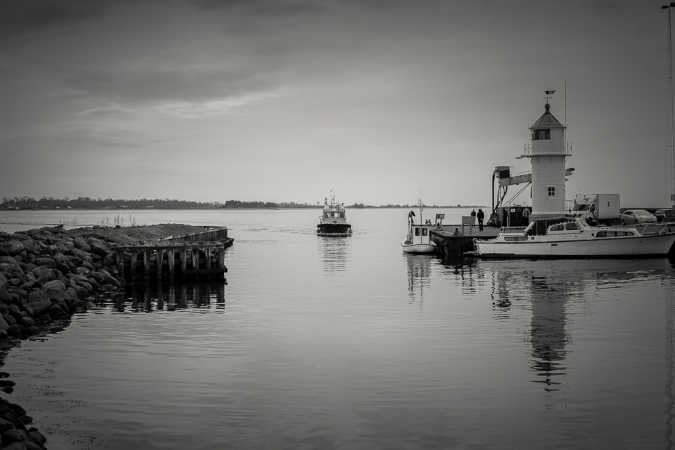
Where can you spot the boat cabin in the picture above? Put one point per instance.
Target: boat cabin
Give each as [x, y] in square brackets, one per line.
[419, 233]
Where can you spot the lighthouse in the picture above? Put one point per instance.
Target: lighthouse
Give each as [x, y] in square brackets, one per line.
[547, 157]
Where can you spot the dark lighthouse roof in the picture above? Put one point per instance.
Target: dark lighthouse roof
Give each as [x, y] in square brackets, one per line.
[546, 121]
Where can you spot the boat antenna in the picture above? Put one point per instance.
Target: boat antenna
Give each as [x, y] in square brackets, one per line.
[420, 203]
[565, 102]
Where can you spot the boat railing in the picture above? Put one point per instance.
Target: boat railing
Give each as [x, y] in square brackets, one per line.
[513, 230]
[656, 228]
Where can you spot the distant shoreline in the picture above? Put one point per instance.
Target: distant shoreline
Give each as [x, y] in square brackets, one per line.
[240, 207]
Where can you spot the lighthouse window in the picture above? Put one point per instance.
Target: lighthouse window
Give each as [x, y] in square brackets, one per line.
[551, 191]
[541, 135]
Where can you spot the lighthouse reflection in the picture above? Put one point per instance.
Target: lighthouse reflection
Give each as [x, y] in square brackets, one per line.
[547, 289]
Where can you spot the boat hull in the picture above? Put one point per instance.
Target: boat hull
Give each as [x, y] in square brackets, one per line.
[618, 247]
[418, 249]
[334, 229]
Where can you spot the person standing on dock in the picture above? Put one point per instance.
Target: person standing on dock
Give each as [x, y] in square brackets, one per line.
[480, 216]
[473, 219]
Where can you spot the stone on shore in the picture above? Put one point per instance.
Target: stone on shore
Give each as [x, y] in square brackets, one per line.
[55, 290]
[81, 244]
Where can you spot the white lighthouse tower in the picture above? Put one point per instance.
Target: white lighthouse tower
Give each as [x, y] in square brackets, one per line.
[547, 157]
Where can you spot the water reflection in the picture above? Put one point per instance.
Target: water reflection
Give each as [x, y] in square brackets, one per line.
[549, 286]
[419, 275]
[333, 251]
[158, 297]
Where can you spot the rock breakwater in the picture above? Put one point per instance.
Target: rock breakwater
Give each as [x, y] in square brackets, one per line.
[46, 275]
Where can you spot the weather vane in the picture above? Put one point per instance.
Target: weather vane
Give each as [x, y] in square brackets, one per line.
[549, 94]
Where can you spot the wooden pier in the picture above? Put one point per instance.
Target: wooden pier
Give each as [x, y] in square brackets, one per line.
[454, 241]
[198, 255]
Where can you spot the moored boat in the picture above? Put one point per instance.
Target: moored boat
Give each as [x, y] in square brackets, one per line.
[418, 240]
[574, 237]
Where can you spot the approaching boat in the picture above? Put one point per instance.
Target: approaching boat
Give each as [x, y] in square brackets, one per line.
[333, 221]
[418, 240]
[574, 237]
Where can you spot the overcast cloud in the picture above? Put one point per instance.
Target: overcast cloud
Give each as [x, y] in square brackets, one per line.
[283, 100]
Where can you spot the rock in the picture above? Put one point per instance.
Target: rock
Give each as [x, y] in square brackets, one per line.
[45, 261]
[13, 436]
[30, 445]
[82, 270]
[4, 326]
[12, 247]
[58, 311]
[5, 425]
[26, 321]
[70, 296]
[4, 383]
[98, 247]
[28, 243]
[38, 303]
[55, 290]
[8, 259]
[43, 274]
[81, 244]
[11, 269]
[26, 419]
[4, 295]
[37, 437]
[19, 292]
[62, 262]
[15, 311]
[16, 446]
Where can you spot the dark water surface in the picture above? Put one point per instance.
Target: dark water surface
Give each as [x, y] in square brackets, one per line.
[320, 343]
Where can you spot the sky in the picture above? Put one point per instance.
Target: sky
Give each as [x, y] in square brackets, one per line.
[380, 101]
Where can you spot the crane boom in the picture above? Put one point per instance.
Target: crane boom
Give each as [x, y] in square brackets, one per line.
[525, 178]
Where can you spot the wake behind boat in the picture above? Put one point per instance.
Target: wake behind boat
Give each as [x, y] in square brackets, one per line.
[333, 220]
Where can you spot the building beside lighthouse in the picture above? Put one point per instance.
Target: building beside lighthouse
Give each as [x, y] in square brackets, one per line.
[547, 156]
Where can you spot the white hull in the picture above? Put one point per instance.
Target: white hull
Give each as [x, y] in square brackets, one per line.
[630, 246]
[418, 248]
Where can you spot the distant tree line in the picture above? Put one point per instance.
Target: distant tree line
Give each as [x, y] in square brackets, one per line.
[262, 205]
[145, 203]
[99, 203]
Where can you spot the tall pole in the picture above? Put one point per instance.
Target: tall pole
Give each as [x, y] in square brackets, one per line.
[672, 105]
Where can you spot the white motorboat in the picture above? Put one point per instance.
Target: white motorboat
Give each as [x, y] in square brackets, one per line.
[418, 239]
[333, 221]
[575, 237]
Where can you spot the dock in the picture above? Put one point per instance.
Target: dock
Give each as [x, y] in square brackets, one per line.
[454, 241]
[196, 255]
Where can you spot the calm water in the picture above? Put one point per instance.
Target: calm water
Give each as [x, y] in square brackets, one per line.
[320, 343]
